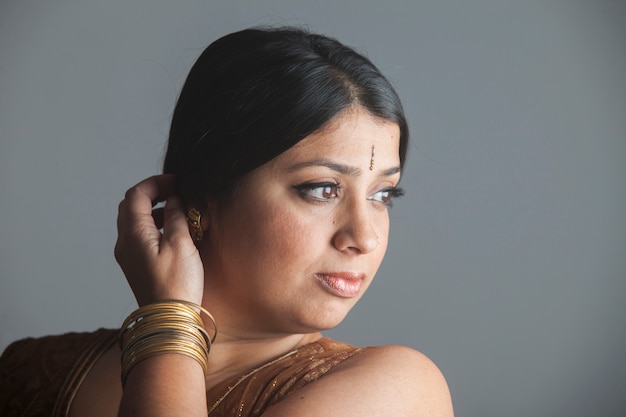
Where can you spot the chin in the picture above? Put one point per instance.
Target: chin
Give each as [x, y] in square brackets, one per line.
[323, 319]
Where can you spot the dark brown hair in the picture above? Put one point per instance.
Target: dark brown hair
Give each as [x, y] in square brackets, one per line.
[253, 94]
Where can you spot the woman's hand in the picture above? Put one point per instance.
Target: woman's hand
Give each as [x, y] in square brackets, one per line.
[157, 265]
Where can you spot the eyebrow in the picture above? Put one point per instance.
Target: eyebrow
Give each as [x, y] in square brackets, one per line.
[342, 169]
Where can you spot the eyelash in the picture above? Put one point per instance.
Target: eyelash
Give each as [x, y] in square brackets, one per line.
[304, 190]
[394, 192]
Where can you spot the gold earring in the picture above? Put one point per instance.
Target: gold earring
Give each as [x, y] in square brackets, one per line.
[195, 224]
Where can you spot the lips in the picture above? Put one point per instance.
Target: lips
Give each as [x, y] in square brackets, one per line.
[341, 284]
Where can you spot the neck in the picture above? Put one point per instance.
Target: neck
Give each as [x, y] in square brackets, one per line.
[232, 357]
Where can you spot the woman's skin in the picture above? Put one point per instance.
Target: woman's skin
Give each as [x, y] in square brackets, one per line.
[288, 256]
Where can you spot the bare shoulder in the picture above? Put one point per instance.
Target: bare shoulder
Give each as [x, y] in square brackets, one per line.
[382, 381]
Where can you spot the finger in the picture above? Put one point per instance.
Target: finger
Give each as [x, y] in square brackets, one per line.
[154, 189]
[175, 223]
[158, 216]
[136, 208]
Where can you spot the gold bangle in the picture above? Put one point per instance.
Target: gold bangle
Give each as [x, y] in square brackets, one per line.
[202, 310]
[178, 307]
[148, 327]
[165, 327]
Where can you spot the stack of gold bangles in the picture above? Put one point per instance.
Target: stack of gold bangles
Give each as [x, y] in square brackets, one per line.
[172, 326]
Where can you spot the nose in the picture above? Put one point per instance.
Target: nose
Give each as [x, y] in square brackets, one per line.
[356, 231]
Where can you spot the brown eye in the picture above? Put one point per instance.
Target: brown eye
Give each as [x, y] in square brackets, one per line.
[386, 195]
[322, 192]
[329, 192]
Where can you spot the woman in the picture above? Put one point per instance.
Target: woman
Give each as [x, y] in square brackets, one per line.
[284, 155]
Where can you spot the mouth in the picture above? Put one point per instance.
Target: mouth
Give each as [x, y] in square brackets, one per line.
[341, 284]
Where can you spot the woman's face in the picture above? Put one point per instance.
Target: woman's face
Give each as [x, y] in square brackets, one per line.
[304, 235]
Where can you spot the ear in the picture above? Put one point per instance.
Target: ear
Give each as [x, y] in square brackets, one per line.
[205, 221]
[209, 221]
[194, 222]
[209, 216]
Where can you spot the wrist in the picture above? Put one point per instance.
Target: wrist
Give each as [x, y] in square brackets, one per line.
[165, 327]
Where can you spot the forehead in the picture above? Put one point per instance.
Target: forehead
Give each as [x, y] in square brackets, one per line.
[353, 131]
[348, 143]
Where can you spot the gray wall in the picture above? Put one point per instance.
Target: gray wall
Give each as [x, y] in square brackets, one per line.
[508, 256]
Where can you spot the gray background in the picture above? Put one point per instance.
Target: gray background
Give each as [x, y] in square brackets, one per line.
[507, 259]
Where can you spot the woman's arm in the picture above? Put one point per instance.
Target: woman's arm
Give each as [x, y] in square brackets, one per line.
[165, 385]
[160, 267]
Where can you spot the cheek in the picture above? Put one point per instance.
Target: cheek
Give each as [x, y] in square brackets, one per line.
[293, 232]
[381, 220]
[280, 236]
[384, 231]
